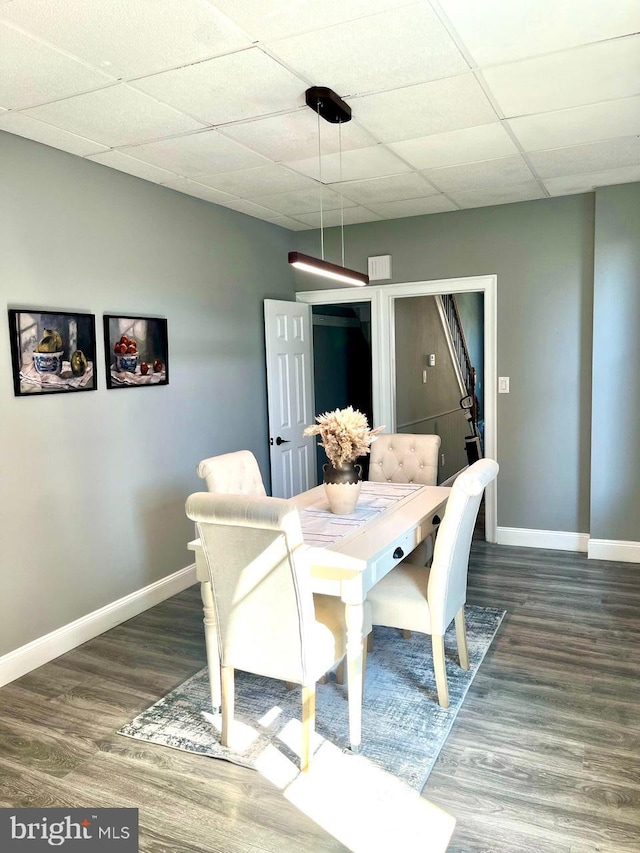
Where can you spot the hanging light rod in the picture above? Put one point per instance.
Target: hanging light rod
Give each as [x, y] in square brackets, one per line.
[329, 106]
[324, 268]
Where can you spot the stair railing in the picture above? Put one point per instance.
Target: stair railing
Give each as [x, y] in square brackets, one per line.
[461, 349]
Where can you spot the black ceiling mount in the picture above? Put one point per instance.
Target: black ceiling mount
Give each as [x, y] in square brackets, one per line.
[328, 105]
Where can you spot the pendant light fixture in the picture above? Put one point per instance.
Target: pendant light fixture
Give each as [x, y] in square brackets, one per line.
[333, 109]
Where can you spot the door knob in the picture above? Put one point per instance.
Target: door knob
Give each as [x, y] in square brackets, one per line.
[280, 441]
[398, 553]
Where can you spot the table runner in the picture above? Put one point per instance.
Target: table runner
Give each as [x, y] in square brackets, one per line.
[321, 527]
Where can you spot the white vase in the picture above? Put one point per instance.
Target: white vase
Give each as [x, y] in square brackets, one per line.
[342, 487]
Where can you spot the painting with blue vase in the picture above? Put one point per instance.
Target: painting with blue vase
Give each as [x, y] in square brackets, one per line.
[136, 351]
[52, 352]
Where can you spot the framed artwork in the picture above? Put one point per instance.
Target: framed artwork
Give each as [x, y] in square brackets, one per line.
[52, 352]
[136, 351]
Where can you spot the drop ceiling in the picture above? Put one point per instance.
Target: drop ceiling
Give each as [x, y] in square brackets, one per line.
[456, 104]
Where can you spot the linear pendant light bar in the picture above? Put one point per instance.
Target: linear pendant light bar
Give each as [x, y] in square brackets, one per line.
[324, 268]
[329, 106]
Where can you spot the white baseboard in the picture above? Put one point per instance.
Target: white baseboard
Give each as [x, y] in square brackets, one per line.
[555, 540]
[50, 646]
[611, 549]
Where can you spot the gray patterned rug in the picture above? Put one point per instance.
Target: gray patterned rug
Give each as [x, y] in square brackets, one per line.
[403, 726]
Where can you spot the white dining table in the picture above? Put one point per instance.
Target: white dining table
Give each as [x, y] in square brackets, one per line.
[348, 555]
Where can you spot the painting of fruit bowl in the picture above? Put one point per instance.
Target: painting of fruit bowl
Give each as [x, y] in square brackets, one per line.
[136, 350]
[52, 351]
[128, 362]
[48, 362]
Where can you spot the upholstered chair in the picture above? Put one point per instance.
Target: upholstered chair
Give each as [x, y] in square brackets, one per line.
[426, 599]
[268, 620]
[407, 458]
[232, 473]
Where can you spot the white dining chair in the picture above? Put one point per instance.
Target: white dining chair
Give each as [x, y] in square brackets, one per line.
[427, 598]
[268, 620]
[407, 458]
[232, 473]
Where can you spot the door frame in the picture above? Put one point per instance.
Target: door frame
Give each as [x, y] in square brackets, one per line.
[383, 364]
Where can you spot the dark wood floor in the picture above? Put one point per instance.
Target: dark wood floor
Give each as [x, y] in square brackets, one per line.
[543, 757]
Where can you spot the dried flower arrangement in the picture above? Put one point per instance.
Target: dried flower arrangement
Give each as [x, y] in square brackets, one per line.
[345, 435]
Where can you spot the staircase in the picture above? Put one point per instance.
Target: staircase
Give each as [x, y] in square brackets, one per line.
[467, 372]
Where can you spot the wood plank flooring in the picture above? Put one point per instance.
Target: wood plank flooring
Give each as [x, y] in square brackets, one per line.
[543, 756]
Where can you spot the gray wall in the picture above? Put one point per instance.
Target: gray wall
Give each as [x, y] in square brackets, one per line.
[430, 407]
[615, 486]
[542, 253]
[92, 485]
[419, 333]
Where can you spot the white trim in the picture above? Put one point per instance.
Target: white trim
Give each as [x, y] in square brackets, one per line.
[554, 540]
[38, 652]
[381, 297]
[616, 550]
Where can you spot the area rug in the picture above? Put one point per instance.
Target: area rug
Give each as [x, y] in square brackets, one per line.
[403, 727]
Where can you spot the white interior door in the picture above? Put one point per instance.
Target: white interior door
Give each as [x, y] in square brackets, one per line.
[290, 396]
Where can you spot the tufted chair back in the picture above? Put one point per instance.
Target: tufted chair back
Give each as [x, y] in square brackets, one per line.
[232, 473]
[405, 458]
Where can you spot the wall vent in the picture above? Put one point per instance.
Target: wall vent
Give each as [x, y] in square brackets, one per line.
[379, 268]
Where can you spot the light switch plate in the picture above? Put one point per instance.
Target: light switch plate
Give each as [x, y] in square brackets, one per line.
[503, 385]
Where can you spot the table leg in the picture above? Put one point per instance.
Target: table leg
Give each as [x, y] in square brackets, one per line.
[354, 620]
[211, 644]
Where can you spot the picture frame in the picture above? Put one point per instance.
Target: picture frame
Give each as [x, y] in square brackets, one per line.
[145, 361]
[52, 352]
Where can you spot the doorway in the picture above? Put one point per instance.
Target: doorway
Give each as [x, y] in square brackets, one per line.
[382, 301]
[342, 362]
[438, 346]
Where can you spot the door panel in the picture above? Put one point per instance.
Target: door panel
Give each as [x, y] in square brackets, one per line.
[290, 396]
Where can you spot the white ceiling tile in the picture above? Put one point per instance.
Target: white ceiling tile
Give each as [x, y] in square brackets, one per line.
[585, 75]
[250, 208]
[526, 191]
[497, 31]
[183, 185]
[22, 125]
[423, 109]
[363, 163]
[115, 116]
[304, 201]
[594, 157]
[571, 184]
[279, 19]
[294, 136]
[33, 73]
[392, 188]
[578, 125]
[111, 35]
[252, 183]
[230, 88]
[473, 176]
[123, 163]
[332, 219]
[290, 224]
[205, 153]
[393, 48]
[487, 142]
[414, 207]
